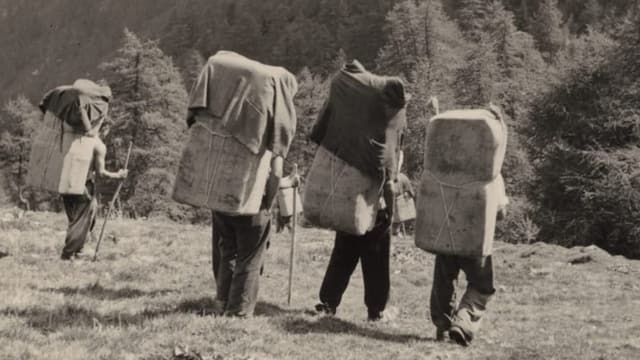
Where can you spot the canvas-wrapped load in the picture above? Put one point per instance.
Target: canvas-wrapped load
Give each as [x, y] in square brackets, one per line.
[286, 201]
[340, 197]
[461, 189]
[465, 146]
[218, 172]
[405, 208]
[62, 150]
[60, 159]
[359, 131]
[241, 114]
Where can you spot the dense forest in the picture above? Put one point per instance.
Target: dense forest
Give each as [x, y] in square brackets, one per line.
[565, 73]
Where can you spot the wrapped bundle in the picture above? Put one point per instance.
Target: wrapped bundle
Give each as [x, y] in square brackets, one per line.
[60, 160]
[218, 172]
[340, 197]
[461, 188]
[359, 131]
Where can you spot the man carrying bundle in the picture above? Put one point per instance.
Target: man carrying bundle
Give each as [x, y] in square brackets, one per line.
[404, 210]
[360, 130]
[242, 121]
[461, 196]
[67, 154]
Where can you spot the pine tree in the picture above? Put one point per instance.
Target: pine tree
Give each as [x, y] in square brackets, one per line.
[313, 90]
[584, 142]
[547, 29]
[423, 46]
[19, 120]
[148, 108]
[472, 17]
[426, 48]
[190, 64]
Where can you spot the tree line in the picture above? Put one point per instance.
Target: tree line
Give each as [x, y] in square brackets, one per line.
[564, 72]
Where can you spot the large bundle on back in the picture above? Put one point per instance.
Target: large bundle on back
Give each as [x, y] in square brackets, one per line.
[358, 133]
[62, 150]
[339, 196]
[461, 189]
[241, 114]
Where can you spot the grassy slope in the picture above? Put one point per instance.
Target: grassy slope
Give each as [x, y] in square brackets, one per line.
[147, 293]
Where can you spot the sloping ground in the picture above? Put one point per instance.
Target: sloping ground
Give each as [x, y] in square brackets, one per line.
[148, 292]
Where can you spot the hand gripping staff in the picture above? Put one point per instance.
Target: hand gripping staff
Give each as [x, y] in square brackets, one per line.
[111, 204]
[293, 233]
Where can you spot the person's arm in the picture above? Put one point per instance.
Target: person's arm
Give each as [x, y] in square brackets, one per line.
[503, 199]
[100, 152]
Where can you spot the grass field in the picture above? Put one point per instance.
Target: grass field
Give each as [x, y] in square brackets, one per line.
[149, 294]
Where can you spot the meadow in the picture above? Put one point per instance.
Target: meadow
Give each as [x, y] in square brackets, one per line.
[149, 297]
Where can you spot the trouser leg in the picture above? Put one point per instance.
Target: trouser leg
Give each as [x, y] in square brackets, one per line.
[227, 253]
[252, 235]
[375, 246]
[343, 261]
[442, 302]
[215, 251]
[81, 212]
[479, 272]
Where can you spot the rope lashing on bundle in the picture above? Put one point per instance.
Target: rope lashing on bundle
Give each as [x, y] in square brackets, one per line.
[448, 210]
[334, 185]
[210, 179]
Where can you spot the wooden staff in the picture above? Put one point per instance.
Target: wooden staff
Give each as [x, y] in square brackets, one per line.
[111, 203]
[293, 233]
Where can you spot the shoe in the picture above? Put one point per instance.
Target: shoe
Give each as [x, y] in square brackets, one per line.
[441, 334]
[376, 316]
[81, 256]
[457, 334]
[237, 314]
[325, 309]
[218, 307]
[388, 315]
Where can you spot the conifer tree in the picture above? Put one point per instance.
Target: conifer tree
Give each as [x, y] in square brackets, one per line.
[584, 141]
[426, 48]
[148, 108]
[313, 90]
[547, 29]
[19, 120]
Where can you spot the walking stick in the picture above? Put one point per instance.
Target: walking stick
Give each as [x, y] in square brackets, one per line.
[111, 203]
[293, 234]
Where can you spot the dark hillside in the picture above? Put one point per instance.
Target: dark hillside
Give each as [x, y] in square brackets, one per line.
[66, 39]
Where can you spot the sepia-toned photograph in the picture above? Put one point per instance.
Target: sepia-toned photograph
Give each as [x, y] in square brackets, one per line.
[319, 179]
